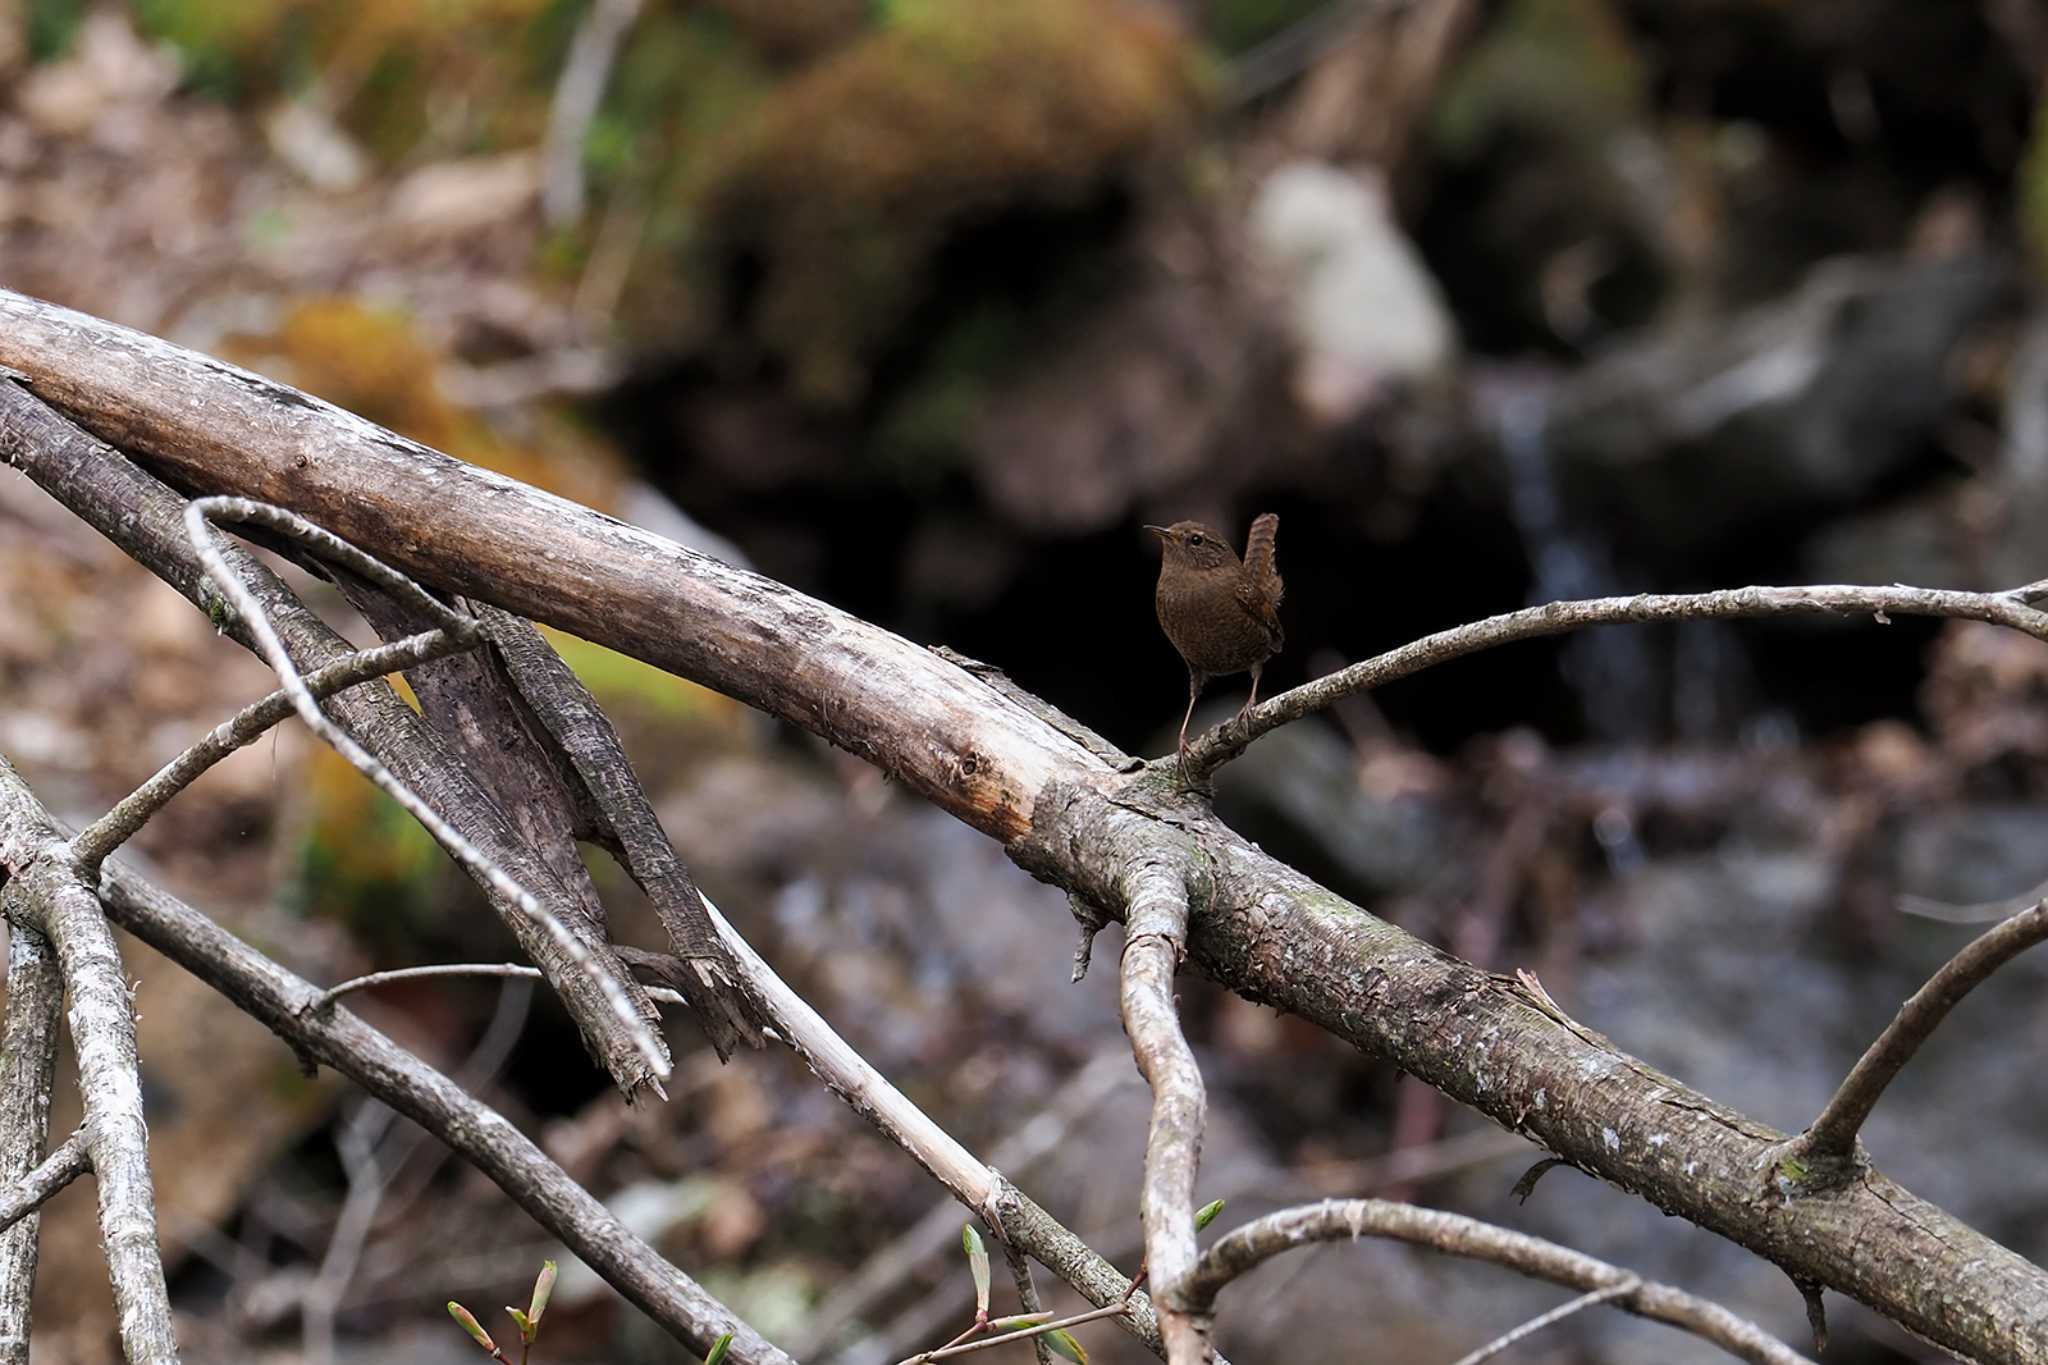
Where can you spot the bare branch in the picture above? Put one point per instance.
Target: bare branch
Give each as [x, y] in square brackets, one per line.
[28, 1194]
[197, 523]
[1346, 1219]
[1155, 937]
[1829, 1143]
[1228, 740]
[245, 727]
[1543, 1320]
[102, 1026]
[28, 1062]
[453, 969]
[1063, 810]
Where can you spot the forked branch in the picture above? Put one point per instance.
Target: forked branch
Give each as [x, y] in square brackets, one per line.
[1348, 1219]
[1826, 1148]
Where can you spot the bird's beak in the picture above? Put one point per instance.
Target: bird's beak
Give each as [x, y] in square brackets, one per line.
[1161, 532]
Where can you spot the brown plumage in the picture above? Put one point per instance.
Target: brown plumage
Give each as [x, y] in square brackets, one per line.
[1222, 614]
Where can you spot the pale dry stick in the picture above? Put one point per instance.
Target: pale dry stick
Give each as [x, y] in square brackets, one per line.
[28, 1067]
[101, 1019]
[1349, 1219]
[199, 516]
[1228, 740]
[1828, 1145]
[457, 969]
[1542, 1320]
[853, 1079]
[100, 838]
[1155, 939]
[22, 1198]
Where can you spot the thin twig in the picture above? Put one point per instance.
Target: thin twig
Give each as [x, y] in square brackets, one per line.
[101, 1020]
[100, 838]
[1027, 1293]
[1228, 740]
[375, 980]
[1555, 1315]
[71, 1160]
[1042, 1329]
[198, 518]
[1349, 1219]
[1831, 1138]
[1155, 937]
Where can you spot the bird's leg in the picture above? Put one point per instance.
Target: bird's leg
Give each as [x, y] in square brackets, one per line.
[1245, 710]
[1195, 681]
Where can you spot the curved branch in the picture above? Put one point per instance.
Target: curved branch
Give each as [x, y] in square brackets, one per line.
[440, 971]
[1830, 1141]
[1345, 1219]
[1230, 739]
[1155, 940]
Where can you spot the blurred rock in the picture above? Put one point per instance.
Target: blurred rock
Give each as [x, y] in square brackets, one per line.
[1302, 792]
[1710, 431]
[315, 147]
[1359, 302]
[451, 198]
[109, 67]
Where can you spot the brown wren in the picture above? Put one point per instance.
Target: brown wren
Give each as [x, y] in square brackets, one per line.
[1223, 615]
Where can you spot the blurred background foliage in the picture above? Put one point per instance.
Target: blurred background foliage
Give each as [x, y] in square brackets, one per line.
[924, 307]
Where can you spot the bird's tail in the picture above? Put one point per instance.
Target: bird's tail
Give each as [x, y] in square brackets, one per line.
[1258, 556]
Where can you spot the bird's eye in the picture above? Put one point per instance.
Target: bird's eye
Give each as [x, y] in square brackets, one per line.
[1195, 539]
